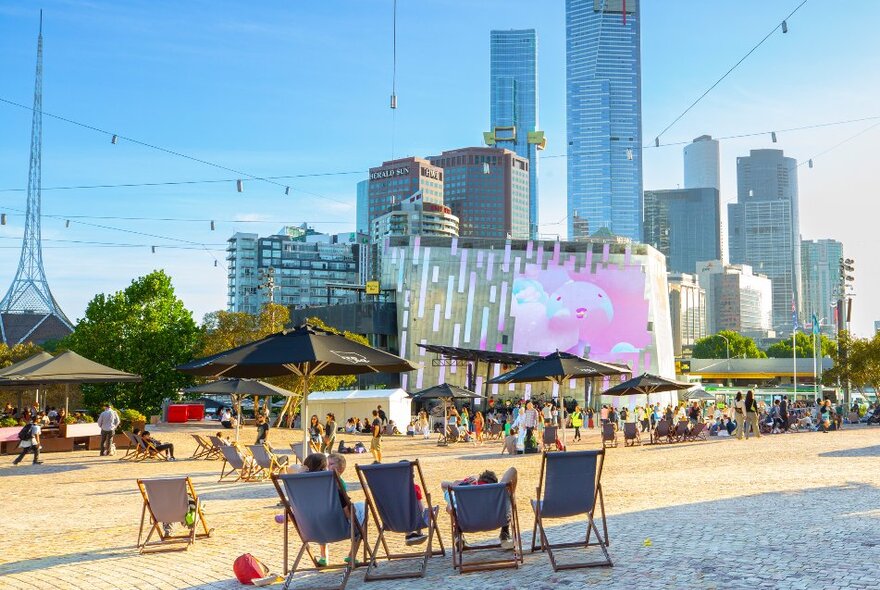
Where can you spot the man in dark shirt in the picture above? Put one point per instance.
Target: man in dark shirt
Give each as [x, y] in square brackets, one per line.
[382, 415]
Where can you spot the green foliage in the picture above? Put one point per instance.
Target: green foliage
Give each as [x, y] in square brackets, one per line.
[804, 344]
[69, 420]
[19, 352]
[6, 422]
[144, 329]
[858, 362]
[127, 418]
[715, 347]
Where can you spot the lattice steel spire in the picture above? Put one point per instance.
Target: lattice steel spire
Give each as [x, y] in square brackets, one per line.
[29, 294]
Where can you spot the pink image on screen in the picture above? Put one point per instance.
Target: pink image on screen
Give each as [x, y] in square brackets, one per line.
[605, 313]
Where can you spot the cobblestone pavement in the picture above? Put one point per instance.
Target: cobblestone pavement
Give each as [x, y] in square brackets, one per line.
[792, 511]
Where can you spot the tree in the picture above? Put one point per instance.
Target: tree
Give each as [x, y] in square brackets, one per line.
[857, 362]
[144, 329]
[715, 347]
[804, 344]
[19, 352]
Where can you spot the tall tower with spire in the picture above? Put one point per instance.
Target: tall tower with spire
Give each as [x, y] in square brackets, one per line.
[28, 311]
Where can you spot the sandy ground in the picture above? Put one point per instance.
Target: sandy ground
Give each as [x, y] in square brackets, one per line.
[798, 510]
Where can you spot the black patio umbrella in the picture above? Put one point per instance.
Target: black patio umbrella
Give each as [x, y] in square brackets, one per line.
[646, 384]
[305, 351]
[558, 367]
[446, 393]
[237, 389]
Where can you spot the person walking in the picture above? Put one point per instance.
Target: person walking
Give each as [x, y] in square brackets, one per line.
[376, 442]
[577, 420]
[739, 411]
[382, 415]
[752, 414]
[329, 434]
[108, 421]
[30, 442]
[479, 422]
[529, 420]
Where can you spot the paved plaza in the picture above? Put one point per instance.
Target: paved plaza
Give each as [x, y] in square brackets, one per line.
[790, 511]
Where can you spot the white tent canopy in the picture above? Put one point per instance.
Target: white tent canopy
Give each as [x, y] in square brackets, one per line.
[360, 403]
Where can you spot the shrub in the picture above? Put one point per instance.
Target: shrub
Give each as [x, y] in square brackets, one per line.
[6, 422]
[69, 420]
[128, 417]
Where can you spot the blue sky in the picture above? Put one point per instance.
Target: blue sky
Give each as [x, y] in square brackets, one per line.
[302, 87]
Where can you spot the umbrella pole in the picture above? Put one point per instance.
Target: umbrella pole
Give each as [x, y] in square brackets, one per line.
[236, 401]
[562, 413]
[66, 397]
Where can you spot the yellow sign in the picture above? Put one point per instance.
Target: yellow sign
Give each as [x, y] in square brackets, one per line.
[372, 288]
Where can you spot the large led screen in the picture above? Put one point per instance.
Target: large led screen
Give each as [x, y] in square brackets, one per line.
[601, 314]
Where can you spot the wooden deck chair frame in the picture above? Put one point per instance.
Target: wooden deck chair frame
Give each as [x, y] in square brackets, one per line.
[459, 548]
[245, 473]
[273, 468]
[204, 448]
[698, 432]
[656, 438]
[631, 441]
[133, 450]
[432, 526]
[356, 542]
[496, 431]
[601, 539]
[609, 442]
[298, 453]
[679, 433]
[157, 527]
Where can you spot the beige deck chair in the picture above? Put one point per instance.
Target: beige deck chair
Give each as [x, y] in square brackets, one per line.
[168, 500]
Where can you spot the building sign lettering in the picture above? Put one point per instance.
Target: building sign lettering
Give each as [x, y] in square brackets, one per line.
[433, 174]
[390, 172]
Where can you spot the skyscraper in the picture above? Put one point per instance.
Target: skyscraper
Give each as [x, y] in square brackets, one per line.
[513, 107]
[604, 115]
[820, 267]
[363, 207]
[764, 228]
[702, 163]
[488, 190]
[685, 225]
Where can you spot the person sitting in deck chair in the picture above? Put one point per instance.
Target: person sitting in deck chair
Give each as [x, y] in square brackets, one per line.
[510, 476]
[160, 447]
[318, 462]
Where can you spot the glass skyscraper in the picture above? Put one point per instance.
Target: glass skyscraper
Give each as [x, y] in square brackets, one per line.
[513, 105]
[764, 228]
[604, 115]
[820, 266]
[685, 225]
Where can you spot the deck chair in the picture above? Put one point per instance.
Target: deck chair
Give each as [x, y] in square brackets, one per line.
[133, 450]
[240, 465]
[631, 436]
[495, 431]
[204, 448]
[660, 433]
[312, 504]
[680, 433]
[481, 509]
[148, 450]
[298, 453]
[609, 435]
[548, 438]
[266, 462]
[392, 502]
[698, 432]
[168, 500]
[570, 485]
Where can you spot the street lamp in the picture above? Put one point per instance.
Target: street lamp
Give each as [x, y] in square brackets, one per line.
[727, 345]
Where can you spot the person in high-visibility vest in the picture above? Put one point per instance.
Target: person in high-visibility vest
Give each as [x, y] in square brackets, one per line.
[577, 420]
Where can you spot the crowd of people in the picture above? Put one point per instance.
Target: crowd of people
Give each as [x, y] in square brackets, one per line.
[48, 416]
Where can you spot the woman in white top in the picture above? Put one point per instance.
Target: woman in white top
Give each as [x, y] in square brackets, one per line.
[739, 412]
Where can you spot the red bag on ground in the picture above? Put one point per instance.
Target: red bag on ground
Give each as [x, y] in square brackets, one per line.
[248, 568]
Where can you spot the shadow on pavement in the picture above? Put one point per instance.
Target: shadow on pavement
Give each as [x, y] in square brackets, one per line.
[862, 452]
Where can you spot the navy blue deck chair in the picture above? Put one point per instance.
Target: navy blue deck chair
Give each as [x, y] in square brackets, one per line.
[570, 485]
[392, 502]
[313, 503]
[481, 509]
[549, 437]
[609, 435]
